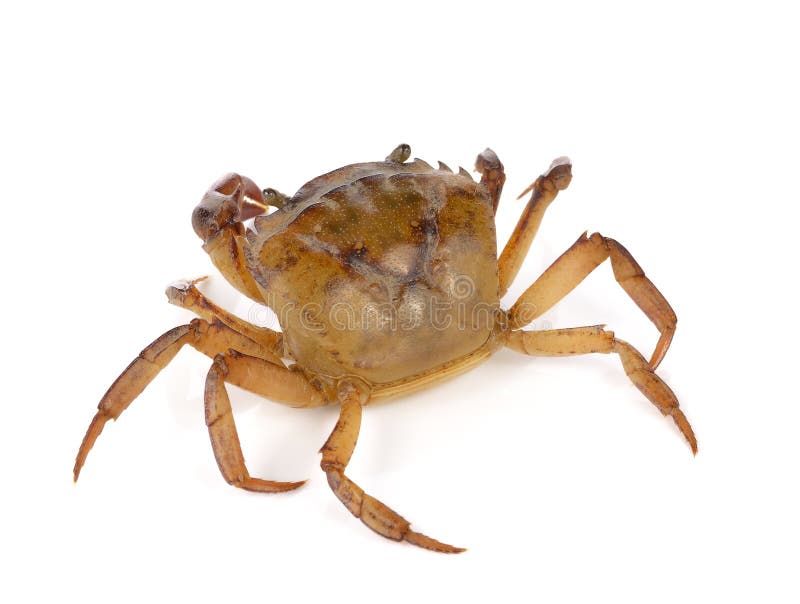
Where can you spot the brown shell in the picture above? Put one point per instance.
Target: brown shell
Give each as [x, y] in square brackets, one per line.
[381, 270]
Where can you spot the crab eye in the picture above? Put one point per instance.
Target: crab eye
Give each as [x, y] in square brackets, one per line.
[274, 198]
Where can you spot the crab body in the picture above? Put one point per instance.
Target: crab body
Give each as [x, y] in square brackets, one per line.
[380, 270]
[384, 277]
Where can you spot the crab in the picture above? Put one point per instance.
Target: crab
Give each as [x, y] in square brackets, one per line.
[385, 278]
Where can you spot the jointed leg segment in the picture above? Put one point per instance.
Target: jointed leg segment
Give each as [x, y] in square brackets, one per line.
[543, 191]
[336, 454]
[257, 375]
[563, 276]
[184, 293]
[586, 254]
[258, 369]
[585, 340]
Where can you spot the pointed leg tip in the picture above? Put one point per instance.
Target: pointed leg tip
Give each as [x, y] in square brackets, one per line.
[282, 487]
[686, 429]
[661, 347]
[259, 485]
[426, 542]
[80, 459]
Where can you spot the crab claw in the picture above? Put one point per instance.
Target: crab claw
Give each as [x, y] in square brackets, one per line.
[487, 160]
[560, 172]
[232, 199]
[493, 176]
[558, 176]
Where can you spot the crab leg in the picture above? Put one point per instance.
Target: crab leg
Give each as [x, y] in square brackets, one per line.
[336, 453]
[209, 338]
[493, 176]
[586, 340]
[259, 376]
[543, 191]
[183, 293]
[572, 267]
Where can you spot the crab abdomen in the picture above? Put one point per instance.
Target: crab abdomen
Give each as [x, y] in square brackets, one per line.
[384, 276]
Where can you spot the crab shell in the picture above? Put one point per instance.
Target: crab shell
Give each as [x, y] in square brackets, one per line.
[380, 270]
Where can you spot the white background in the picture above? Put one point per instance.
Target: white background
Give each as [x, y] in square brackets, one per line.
[563, 482]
